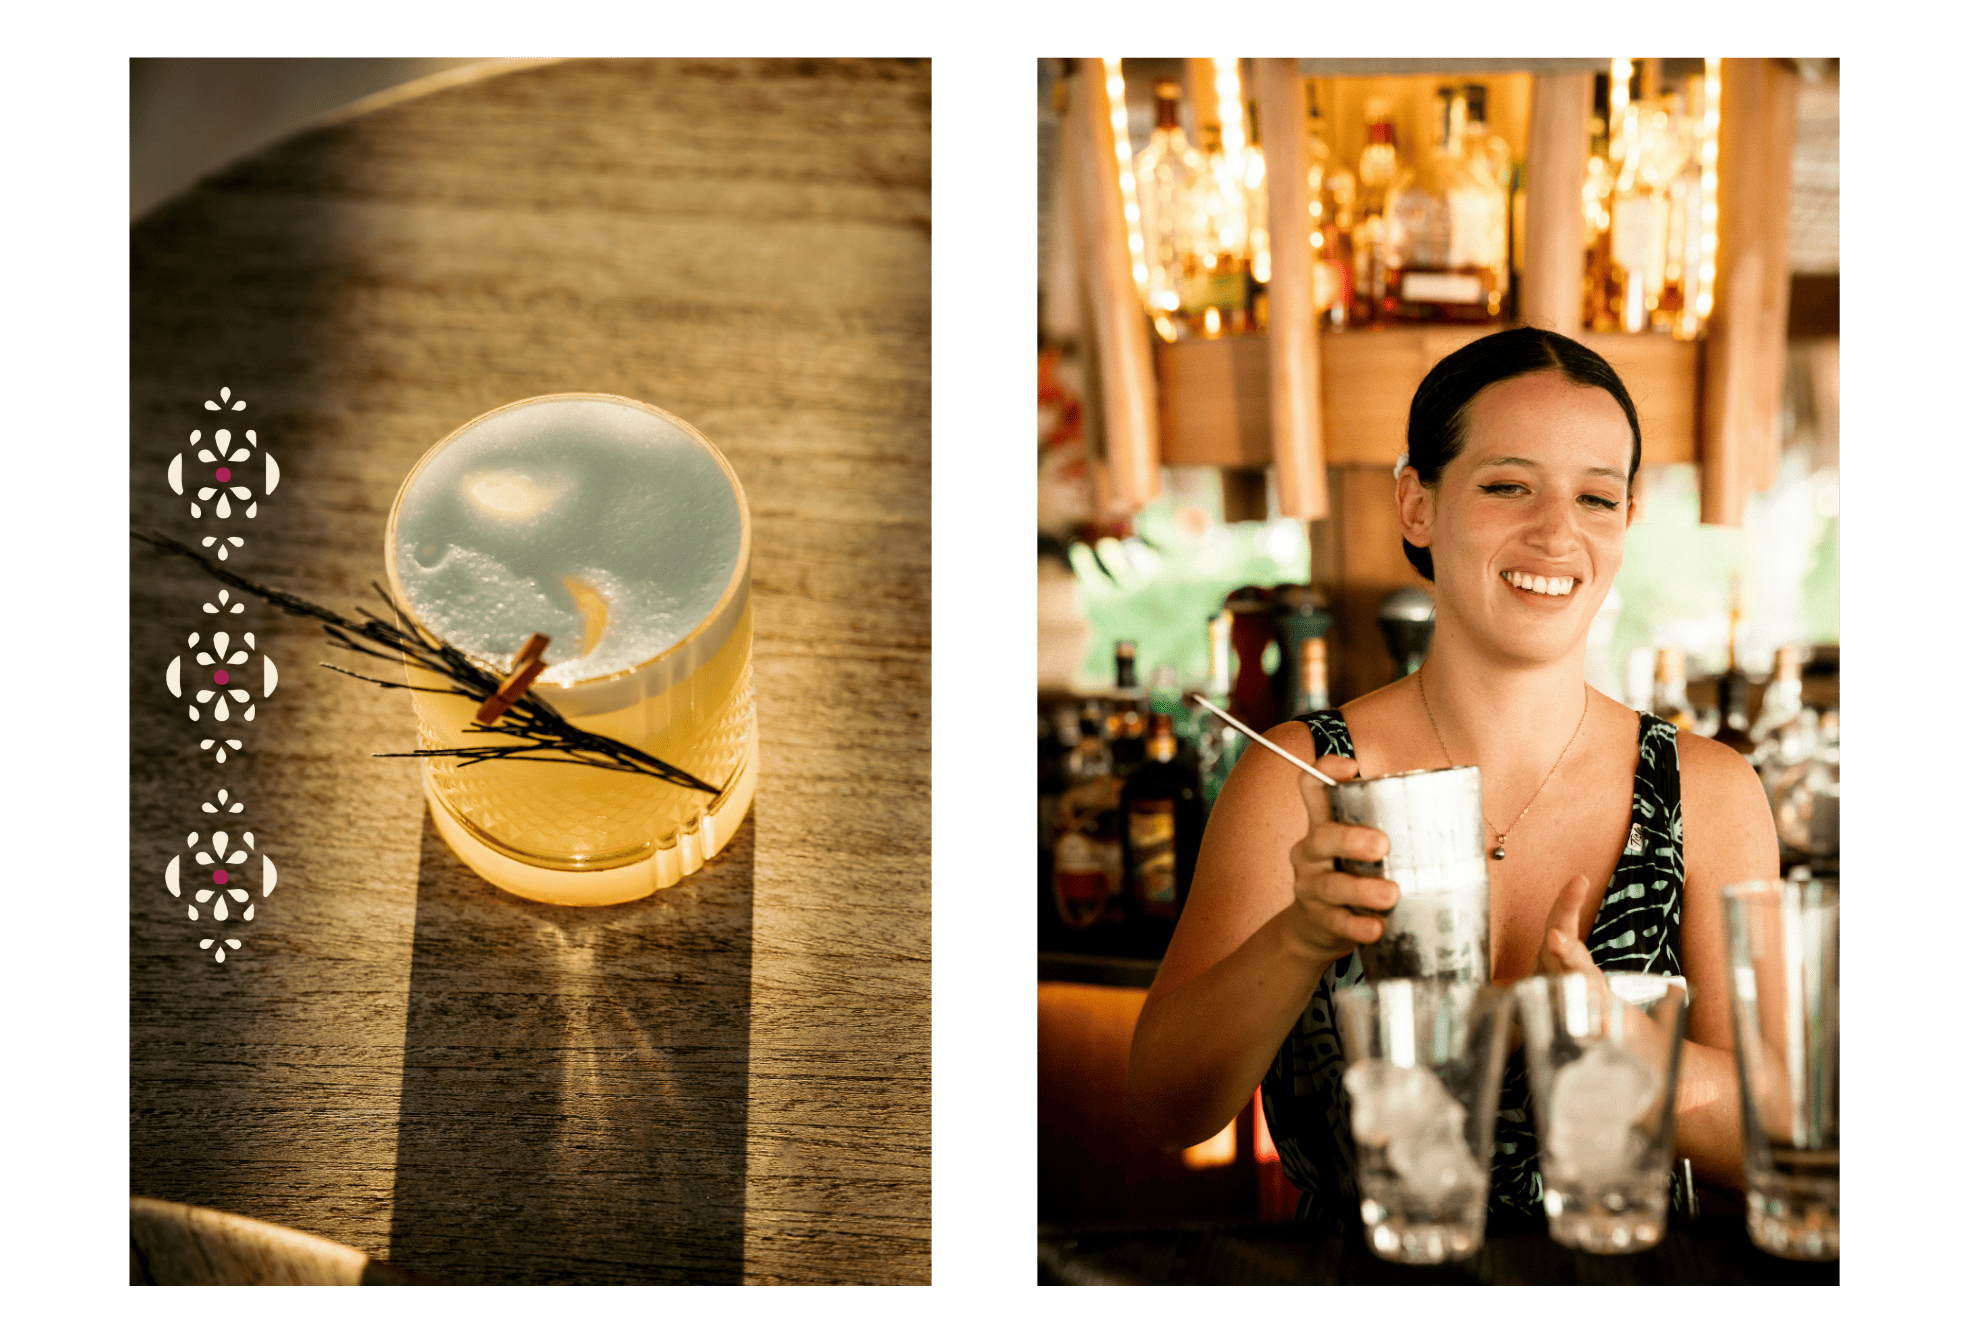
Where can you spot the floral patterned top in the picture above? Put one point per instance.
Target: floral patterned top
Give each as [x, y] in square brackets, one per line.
[1638, 928]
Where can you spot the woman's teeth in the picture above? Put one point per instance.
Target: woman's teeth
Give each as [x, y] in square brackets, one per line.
[1538, 583]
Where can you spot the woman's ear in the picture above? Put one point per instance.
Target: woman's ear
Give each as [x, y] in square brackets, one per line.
[1415, 505]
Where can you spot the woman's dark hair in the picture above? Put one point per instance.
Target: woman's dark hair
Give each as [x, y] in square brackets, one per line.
[1437, 417]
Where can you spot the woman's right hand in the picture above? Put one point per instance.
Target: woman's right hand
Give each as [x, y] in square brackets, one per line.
[1334, 911]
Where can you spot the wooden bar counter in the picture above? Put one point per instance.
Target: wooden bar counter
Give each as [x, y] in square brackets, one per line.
[728, 1081]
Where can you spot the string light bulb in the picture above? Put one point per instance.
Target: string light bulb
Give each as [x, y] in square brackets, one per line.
[1131, 211]
[1712, 119]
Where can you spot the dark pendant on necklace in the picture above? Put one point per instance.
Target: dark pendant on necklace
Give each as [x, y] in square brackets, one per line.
[1497, 853]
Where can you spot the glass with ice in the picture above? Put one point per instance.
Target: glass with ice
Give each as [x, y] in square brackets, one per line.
[622, 534]
[1424, 1060]
[1603, 1054]
[1784, 963]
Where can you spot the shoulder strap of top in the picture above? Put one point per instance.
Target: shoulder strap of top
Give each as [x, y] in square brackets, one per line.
[1658, 773]
[1330, 735]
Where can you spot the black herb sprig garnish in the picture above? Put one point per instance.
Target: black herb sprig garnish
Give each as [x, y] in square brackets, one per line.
[543, 735]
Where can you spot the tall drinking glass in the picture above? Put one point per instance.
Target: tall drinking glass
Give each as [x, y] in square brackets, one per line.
[1784, 964]
[1604, 1054]
[622, 534]
[1424, 1061]
[1434, 821]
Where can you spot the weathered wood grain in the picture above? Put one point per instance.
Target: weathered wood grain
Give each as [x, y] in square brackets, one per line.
[728, 1081]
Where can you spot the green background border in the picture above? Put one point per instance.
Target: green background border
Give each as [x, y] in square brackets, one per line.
[69, 1179]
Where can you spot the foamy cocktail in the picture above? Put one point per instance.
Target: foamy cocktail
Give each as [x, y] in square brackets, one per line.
[622, 534]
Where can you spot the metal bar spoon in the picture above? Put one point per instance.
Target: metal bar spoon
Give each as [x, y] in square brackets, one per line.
[1264, 742]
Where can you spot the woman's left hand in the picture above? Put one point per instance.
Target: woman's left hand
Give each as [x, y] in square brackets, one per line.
[1562, 949]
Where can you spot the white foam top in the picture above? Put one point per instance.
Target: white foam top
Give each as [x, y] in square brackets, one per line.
[571, 518]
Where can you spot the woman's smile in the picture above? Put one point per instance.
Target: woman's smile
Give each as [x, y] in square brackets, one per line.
[1532, 583]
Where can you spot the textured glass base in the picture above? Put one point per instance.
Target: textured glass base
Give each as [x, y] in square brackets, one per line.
[1793, 1220]
[1612, 1221]
[1414, 1239]
[691, 847]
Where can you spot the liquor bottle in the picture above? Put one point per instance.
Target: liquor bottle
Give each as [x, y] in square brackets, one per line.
[1164, 821]
[1733, 693]
[1217, 743]
[1786, 730]
[1216, 271]
[1599, 300]
[1378, 169]
[1671, 700]
[1087, 851]
[1652, 149]
[1127, 723]
[1312, 677]
[1165, 182]
[1480, 204]
[1805, 804]
[1330, 201]
[1299, 613]
[1448, 224]
[1675, 309]
[1257, 215]
[1059, 732]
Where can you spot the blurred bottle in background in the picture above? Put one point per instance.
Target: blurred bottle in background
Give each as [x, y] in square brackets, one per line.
[1671, 696]
[1087, 848]
[1218, 745]
[1312, 695]
[1165, 179]
[1127, 721]
[1786, 731]
[1163, 808]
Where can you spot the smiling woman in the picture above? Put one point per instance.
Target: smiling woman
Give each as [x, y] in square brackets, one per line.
[1514, 498]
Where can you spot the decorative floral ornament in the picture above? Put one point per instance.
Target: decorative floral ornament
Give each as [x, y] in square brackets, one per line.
[225, 462]
[226, 866]
[222, 660]
[220, 605]
[220, 954]
[232, 743]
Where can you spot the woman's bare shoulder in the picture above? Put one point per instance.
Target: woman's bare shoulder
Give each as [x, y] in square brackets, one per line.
[1714, 774]
[1727, 830]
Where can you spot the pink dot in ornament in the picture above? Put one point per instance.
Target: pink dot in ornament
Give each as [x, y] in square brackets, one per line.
[219, 876]
[223, 473]
[222, 676]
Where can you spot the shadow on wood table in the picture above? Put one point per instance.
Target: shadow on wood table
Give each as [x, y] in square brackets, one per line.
[574, 1081]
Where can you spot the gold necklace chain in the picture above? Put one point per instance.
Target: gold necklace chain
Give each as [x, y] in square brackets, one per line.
[1498, 853]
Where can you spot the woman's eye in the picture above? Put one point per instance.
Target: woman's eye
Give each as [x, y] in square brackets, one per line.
[1599, 501]
[1502, 488]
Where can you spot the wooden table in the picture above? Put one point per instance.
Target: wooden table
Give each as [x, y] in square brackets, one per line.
[728, 1081]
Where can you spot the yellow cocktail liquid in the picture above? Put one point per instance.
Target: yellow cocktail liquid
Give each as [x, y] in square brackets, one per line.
[549, 829]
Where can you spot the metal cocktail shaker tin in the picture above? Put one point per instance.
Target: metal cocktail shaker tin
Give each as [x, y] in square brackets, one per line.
[1434, 821]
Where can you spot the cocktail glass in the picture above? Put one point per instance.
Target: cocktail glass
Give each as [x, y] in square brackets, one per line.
[621, 533]
[1603, 1054]
[1434, 821]
[1424, 1061]
[1784, 982]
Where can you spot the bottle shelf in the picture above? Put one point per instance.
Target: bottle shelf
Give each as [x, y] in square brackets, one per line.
[1215, 395]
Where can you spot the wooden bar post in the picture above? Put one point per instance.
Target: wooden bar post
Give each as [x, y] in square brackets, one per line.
[1298, 448]
[1743, 362]
[1555, 177]
[1121, 340]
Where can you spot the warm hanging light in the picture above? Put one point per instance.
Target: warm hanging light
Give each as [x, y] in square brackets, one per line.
[1712, 118]
[1131, 212]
